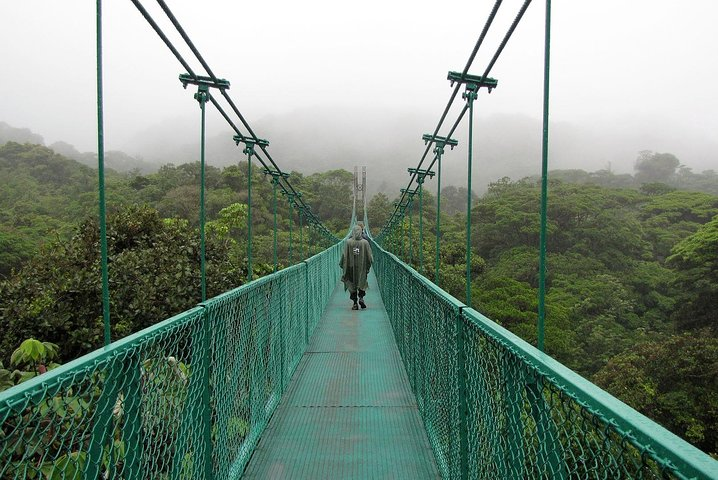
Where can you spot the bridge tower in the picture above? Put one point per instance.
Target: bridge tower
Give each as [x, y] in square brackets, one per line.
[360, 187]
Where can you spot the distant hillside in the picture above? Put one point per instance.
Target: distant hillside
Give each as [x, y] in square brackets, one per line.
[114, 159]
[43, 196]
[19, 135]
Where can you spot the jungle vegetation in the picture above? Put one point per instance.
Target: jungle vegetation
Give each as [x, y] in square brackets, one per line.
[632, 263]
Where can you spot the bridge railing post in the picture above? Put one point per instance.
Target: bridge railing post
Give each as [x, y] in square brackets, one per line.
[463, 407]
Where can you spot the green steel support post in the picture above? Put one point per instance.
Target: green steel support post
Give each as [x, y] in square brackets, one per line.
[469, 95]
[290, 199]
[132, 425]
[421, 225]
[202, 96]
[249, 152]
[473, 83]
[544, 181]
[441, 142]
[550, 454]
[276, 178]
[514, 457]
[301, 234]
[439, 151]
[101, 183]
[420, 178]
[411, 237]
[102, 423]
[275, 181]
[249, 144]
[282, 354]
[291, 221]
[463, 406]
[204, 373]
[306, 303]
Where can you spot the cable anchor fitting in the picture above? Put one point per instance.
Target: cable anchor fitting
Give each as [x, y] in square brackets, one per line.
[439, 142]
[203, 85]
[277, 175]
[249, 143]
[473, 84]
[421, 174]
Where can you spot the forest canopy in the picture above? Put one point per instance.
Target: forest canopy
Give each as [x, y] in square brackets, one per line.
[632, 262]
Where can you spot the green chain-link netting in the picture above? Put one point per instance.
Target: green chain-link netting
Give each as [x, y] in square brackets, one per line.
[187, 398]
[495, 407]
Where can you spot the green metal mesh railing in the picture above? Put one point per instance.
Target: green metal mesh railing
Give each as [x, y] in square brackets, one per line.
[184, 399]
[496, 407]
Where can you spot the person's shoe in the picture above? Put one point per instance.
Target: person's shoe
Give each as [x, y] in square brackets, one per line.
[361, 302]
[355, 307]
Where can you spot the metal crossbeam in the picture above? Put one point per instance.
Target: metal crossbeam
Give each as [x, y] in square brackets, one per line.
[473, 82]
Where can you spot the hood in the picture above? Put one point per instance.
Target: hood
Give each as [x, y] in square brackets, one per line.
[356, 233]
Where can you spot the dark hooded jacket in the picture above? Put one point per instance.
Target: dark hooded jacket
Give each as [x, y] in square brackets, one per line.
[356, 261]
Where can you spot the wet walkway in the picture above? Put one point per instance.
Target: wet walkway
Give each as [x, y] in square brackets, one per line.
[349, 411]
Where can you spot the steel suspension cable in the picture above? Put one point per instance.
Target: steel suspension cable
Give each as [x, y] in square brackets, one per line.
[209, 71]
[164, 38]
[285, 188]
[470, 61]
[490, 66]
[506, 38]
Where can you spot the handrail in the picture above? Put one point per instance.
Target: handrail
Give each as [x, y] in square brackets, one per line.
[186, 398]
[494, 406]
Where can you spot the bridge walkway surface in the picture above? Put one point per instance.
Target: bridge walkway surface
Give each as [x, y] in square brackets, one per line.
[349, 411]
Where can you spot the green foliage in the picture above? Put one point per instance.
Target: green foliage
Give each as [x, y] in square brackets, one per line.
[674, 381]
[669, 218]
[33, 352]
[654, 167]
[379, 209]
[43, 196]
[30, 359]
[610, 287]
[453, 200]
[154, 274]
[696, 260]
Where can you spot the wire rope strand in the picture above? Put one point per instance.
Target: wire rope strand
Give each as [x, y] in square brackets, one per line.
[287, 186]
[164, 38]
[506, 38]
[470, 61]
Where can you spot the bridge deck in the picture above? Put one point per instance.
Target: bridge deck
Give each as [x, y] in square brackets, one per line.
[349, 411]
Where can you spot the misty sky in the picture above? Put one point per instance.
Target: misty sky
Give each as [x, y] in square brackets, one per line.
[617, 66]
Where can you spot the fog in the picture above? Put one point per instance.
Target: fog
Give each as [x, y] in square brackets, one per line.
[337, 84]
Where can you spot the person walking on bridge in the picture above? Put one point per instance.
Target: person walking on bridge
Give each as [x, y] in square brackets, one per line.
[363, 231]
[355, 264]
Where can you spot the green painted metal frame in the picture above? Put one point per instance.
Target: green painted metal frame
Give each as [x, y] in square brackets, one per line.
[496, 407]
[170, 401]
[544, 180]
[101, 181]
[249, 144]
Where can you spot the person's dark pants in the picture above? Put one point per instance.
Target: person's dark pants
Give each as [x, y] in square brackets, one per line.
[353, 295]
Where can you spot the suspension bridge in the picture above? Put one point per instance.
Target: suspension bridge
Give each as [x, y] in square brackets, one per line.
[279, 379]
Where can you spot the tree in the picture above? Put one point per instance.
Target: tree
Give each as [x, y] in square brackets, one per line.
[154, 274]
[453, 199]
[696, 260]
[673, 381]
[654, 167]
[379, 209]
